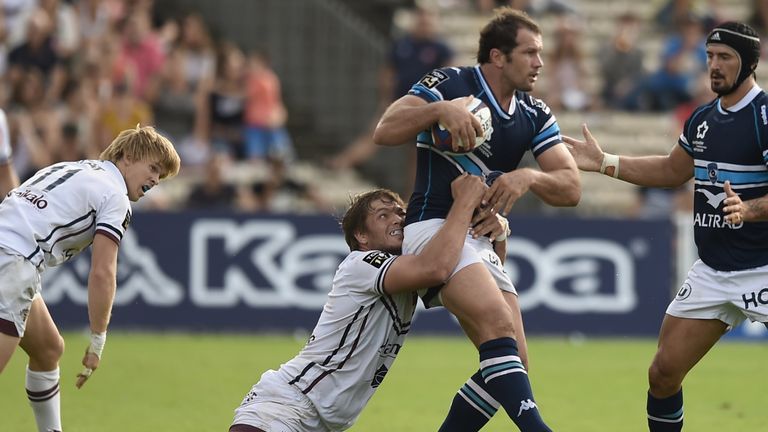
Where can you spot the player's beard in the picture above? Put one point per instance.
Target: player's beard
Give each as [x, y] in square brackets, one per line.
[721, 87]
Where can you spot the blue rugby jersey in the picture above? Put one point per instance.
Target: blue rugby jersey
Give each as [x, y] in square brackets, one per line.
[730, 145]
[527, 125]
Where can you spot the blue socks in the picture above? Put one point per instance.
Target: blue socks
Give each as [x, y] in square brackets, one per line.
[665, 415]
[502, 380]
[471, 408]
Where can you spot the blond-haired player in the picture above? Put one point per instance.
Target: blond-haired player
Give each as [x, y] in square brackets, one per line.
[53, 216]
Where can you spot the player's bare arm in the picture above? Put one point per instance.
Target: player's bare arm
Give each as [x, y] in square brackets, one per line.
[435, 263]
[671, 170]
[409, 115]
[738, 211]
[557, 183]
[102, 283]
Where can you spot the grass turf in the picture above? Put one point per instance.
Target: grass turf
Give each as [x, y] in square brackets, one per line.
[189, 382]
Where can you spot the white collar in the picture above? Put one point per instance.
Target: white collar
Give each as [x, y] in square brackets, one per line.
[751, 94]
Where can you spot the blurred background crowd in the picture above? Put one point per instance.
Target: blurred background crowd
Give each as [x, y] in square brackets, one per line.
[272, 103]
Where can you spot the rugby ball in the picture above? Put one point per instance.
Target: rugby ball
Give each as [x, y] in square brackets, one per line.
[443, 141]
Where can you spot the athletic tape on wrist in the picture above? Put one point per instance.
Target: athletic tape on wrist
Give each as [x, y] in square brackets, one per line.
[97, 343]
[610, 160]
[505, 223]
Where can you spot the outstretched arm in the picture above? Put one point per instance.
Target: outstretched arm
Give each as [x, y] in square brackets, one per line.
[671, 170]
[557, 183]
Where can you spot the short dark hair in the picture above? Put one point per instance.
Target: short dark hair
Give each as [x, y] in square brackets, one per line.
[353, 221]
[501, 32]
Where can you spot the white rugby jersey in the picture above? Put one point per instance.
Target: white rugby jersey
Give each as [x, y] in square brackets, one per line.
[54, 215]
[355, 342]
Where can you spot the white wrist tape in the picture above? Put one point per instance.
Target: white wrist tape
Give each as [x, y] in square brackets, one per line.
[610, 160]
[97, 343]
[505, 223]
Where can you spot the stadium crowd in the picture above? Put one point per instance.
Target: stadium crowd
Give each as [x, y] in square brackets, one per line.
[75, 72]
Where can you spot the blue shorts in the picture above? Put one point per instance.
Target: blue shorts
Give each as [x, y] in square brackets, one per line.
[262, 143]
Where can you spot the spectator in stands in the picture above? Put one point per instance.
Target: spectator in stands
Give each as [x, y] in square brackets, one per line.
[143, 52]
[37, 52]
[35, 122]
[66, 37]
[673, 12]
[94, 21]
[283, 192]
[758, 17]
[567, 89]
[221, 104]
[78, 114]
[419, 51]
[124, 110]
[684, 58]
[620, 61]
[213, 192]
[265, 114]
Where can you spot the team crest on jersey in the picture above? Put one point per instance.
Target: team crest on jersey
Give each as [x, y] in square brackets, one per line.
[376, 258]
[433, 78]
[712, 172]
[127, 220]
[378, 377]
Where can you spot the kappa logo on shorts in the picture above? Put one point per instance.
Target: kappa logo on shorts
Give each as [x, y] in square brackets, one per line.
[684, 292]
[376, 258]
[432, 79]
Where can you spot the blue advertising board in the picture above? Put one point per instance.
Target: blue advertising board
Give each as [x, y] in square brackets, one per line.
[228, 271]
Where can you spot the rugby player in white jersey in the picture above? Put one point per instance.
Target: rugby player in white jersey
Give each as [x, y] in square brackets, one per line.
[58, 212]
[724, 147]
[366, 318]
[8, 177]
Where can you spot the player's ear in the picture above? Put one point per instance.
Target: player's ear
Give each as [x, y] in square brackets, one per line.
[496, 57]
[362, 238]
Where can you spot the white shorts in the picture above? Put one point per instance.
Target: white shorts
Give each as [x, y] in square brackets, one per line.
[418, 234]
[729, 296]
[276, 406]
[19, 284]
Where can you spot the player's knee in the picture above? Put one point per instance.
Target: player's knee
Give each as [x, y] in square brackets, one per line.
[499, 323]
[662, 379]
[50, 352]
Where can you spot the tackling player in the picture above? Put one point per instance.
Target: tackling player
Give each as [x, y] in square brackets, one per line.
[509, 57]
[724, 147]
[365, 320]
[53, 216]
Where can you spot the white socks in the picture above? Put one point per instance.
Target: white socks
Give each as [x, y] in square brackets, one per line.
[44, 398]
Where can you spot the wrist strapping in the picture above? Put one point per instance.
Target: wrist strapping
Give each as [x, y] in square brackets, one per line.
[505, 223]
[97, 343]
[610, 160]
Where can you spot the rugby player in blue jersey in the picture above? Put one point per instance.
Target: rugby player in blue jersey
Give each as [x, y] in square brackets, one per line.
[724, 147]
[479, 293]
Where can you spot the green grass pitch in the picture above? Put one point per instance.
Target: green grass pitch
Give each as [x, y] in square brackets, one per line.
[187, 382]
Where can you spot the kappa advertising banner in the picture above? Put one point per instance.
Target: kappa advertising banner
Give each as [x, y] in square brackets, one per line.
[222, 271]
